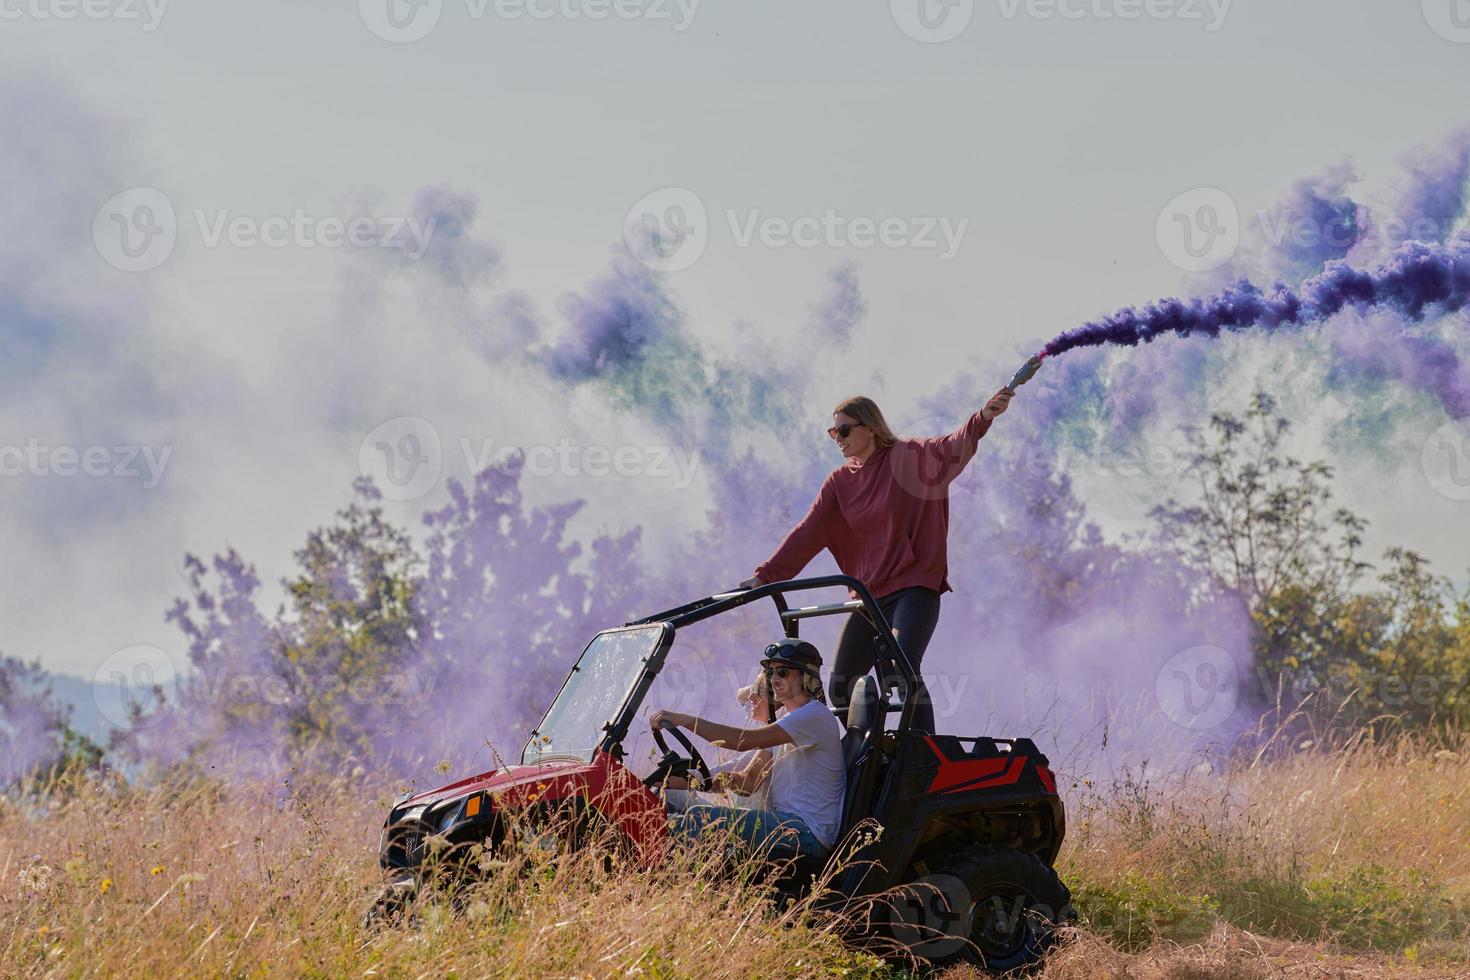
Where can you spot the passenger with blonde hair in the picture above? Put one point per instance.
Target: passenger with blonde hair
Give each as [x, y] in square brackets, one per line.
[742, 780]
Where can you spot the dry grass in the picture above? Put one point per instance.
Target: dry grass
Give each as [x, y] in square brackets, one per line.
[215, 881]
[1357, 845]
[1345, 862]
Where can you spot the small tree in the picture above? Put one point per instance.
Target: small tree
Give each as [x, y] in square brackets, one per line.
[1265, 531]
[353, 628]
[317, 680]
[36, 736]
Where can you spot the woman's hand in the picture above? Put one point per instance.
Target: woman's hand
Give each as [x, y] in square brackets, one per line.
[997, 404]
[749, 583]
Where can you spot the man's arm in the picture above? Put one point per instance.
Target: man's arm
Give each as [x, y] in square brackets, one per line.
[739, 739]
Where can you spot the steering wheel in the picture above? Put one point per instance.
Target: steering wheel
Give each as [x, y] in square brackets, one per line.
[672, 762]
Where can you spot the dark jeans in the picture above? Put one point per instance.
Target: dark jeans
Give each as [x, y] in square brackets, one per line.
[773, 833]
[913, 612]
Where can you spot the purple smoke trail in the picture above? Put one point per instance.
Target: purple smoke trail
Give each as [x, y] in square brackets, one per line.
[1420, 278]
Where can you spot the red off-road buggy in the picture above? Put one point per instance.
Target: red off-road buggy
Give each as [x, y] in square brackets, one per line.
[974, 823]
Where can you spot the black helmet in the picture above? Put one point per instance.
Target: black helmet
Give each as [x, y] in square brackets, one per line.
[800, 654]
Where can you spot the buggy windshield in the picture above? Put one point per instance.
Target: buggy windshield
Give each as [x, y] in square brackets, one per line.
[600, 683]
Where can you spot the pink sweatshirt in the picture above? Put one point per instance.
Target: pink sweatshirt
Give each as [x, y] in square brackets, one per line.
[886, 520]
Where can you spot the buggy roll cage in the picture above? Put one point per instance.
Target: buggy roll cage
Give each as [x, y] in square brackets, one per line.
[889, 658]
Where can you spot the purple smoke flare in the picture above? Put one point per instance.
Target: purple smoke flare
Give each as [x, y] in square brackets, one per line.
[1418, 278]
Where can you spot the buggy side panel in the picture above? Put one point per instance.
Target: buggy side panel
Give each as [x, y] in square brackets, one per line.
[942, 793]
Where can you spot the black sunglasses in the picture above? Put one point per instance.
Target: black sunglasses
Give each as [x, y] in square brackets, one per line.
[781, 672]
[841, 431]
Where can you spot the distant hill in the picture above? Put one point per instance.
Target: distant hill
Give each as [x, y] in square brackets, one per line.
[93, 703]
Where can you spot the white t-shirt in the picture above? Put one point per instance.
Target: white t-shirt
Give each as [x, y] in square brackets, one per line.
[807, 776]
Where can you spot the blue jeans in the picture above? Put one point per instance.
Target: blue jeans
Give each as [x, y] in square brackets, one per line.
[775, 833]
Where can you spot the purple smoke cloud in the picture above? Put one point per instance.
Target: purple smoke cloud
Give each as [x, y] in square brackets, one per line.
[1421, 279]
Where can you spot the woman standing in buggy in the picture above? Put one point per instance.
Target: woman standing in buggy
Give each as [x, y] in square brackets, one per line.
[884, 515]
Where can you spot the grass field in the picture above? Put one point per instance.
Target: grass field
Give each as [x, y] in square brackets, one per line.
[1342, 862]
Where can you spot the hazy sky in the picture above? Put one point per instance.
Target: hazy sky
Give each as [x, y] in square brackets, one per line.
[1046, 138]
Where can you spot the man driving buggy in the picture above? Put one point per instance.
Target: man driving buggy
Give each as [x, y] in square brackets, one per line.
[807, 775]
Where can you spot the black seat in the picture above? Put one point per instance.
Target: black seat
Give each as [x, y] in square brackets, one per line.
[864, 723]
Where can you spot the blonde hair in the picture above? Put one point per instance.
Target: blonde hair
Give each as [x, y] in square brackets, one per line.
[749, 691]
[866, 412]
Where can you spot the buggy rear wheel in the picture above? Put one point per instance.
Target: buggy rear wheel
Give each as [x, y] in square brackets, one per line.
[994, 906]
